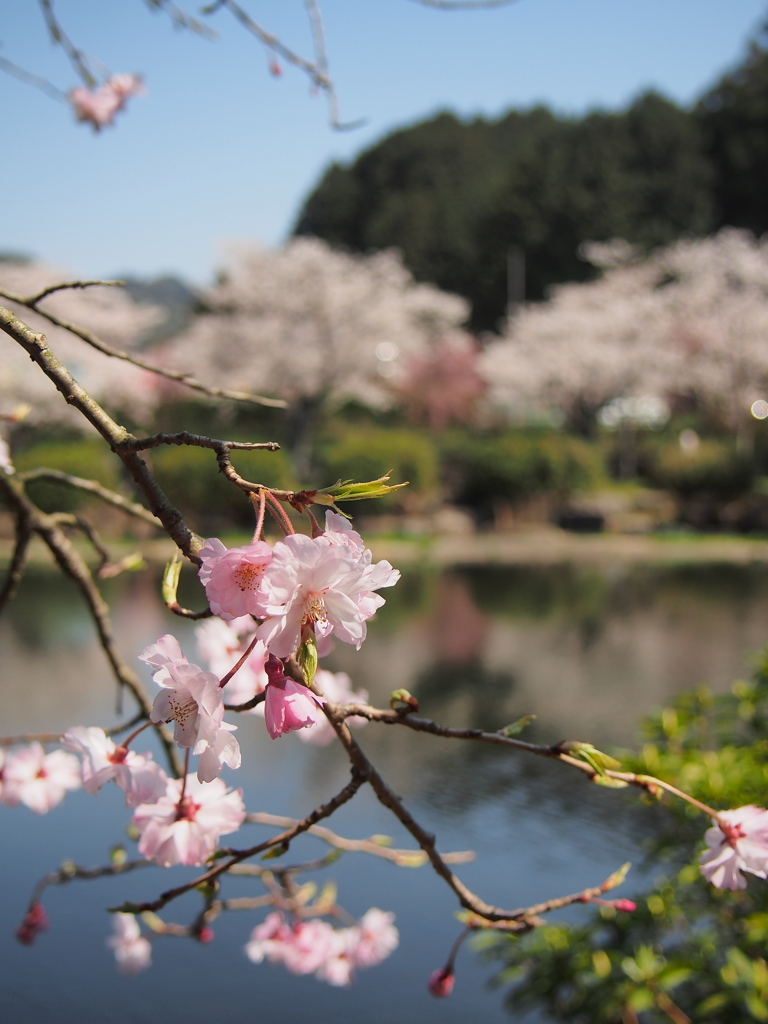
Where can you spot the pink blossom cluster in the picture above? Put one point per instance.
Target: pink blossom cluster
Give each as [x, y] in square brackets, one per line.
[737, 842]
[30, 776]
[302, 587]
[315, 947]
[222, 644]
[99, 106]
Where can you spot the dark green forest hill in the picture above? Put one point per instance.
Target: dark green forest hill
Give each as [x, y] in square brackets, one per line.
[457, 197]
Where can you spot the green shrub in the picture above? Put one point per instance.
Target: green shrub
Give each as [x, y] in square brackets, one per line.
[713, 469]
[480, 471]
[91, 459]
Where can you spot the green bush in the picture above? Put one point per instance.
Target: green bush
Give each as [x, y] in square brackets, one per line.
[91, 459]
[689, 951]
[368, 452]
[714, 469]
[480, 471]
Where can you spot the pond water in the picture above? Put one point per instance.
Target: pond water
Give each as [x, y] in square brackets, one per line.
[587, 650]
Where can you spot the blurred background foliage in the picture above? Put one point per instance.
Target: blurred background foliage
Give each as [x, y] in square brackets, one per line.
[689, 952]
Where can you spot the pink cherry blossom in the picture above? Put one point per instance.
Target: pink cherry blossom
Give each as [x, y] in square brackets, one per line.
[375, 577]
[37, 779]
[288, 705]
[320, 585]
[221, 645]
[133, 951]
[302, 948]
[339, 967]
[315, 947]
[141, 778]
[376, 938]
[231, 577]
[191, 698]
[99, 106]
[186, 830]
[737, 843]
[336, 686]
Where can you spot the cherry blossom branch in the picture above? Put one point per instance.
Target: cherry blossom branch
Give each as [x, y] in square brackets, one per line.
[373, 846]
[70, 519]
[556, 752]
[132, 508]
[404, 716]
[184, 437]
[18, 562]
[31, 79]
[90, 339]
[248, 705]
[182, 19]
[117, 436]
[316, 70]
[72, 564]
[59, 38]
[70, 872]
[33, 300]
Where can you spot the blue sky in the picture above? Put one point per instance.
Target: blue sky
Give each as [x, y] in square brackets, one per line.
[221, 149]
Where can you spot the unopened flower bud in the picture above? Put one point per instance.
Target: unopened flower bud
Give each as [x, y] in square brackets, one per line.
[627, 905]
[35, 921]
[440, 983]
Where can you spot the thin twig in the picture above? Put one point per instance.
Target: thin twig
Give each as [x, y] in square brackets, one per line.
[403, 858]
[73, 872]
[316, 70]
[18, 561]
[90, 339]
[59, 37]
[50, 90]
[91, 487]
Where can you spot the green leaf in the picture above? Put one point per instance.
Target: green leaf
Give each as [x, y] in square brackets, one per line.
[171, 576]
[275, 852]
[308, 659]
[517, 726]
[348, 490]
[641, 999]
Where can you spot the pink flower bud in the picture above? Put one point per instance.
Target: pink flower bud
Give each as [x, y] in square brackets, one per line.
[627, 905]
[440, 983]
[205, 934]
[35, 921]
[619, 904]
